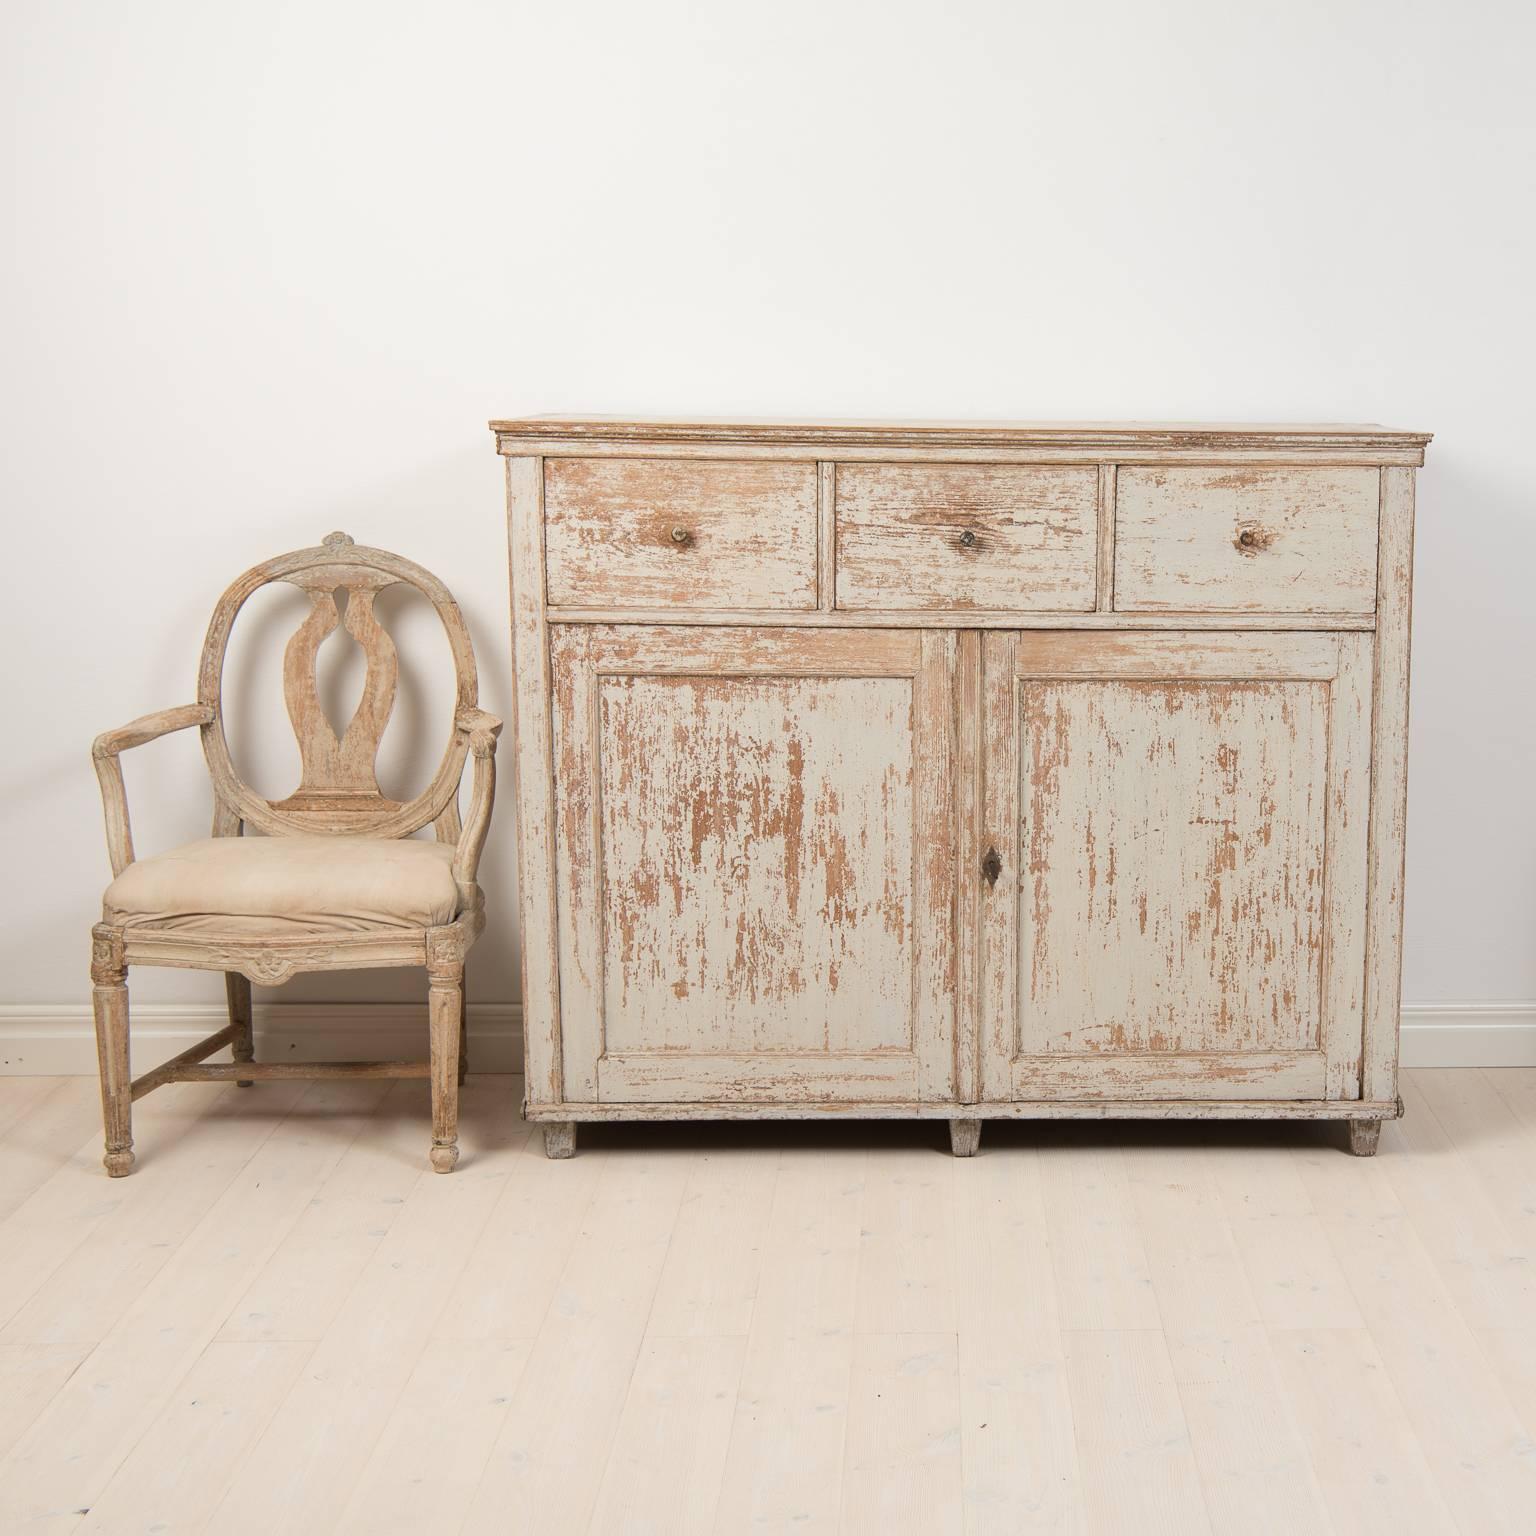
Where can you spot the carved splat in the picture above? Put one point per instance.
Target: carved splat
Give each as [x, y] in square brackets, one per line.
[339, 773]
[338, 786]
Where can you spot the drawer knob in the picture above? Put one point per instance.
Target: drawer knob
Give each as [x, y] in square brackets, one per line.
[1254, 537]
[968, 539]
[681, 536]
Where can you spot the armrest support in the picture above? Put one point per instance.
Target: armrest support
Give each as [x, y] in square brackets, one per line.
[114, 796]
[482, 729]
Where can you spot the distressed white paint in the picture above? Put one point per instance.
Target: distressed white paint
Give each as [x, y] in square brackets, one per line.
[954, 536]
[1171, 865]
[663, 534]
[754, 862]
[880, 864]
[1243, 538]
[757, 863]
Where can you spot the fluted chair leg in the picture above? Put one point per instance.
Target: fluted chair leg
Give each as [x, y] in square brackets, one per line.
[109, 1000]
[445, 999]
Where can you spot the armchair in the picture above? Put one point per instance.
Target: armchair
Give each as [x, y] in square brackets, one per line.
[336, 883]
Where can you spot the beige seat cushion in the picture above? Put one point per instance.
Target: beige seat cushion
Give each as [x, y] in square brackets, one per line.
[287, 885]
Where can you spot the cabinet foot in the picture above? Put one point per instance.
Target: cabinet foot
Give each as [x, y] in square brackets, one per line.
[1363, 1137]
[560, 1138]
[964, 1137]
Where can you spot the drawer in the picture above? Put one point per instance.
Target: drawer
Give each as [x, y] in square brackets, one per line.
[989, 536]
[1246, 540]
[668, 533]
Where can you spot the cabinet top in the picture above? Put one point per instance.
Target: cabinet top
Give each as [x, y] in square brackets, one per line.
[1106, 437]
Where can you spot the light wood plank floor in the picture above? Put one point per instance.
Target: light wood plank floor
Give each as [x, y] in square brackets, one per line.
[284, 1323]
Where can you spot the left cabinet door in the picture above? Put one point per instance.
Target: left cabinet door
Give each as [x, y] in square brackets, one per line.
[754, 864]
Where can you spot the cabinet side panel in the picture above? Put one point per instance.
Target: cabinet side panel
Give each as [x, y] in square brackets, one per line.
[531, 784]
[1389, 786]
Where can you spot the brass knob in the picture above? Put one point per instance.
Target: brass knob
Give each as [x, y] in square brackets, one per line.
[681, 535]
[968, 539]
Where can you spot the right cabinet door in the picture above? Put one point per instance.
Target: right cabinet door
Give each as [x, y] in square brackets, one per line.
[1181, 824]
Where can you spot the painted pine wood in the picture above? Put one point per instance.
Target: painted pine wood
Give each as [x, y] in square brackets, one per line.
[313, 1454]
[901, 1461]
[74, 1447]
[177, 1475]
[1012, 618]
[1113, 441]
[659, 534]
[426, 1465]
[31, 1375]
[961, 537]
[1182, 823]
[1138, 1465]
[1280, 1395]
[669, 1450]
[754, 863]
[1389, 787]
[533, 767]
[1188, 907]
[1239, 538]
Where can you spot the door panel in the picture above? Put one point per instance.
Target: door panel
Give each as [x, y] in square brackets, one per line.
[754, 863]
[1186, 816]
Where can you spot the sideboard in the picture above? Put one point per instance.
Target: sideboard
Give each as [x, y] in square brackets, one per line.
[959, 770]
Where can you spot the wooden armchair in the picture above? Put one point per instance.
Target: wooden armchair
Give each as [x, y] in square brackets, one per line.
[337, 882]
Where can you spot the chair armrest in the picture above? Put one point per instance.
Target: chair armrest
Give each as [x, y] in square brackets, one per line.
[148, 727]
[482, 729]
[114, 796]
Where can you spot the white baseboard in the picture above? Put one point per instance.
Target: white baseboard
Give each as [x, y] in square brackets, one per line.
[60, 1039]
[1469, 1035]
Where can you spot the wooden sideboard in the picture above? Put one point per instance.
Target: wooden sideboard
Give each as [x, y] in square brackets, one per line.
[959, 770]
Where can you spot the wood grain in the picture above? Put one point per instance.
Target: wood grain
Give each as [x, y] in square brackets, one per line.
[1171, 810]
[1118, 1326]
[1216, 941]
[755, 868]
[657, 534]
[1144, 662]
[1245, 539]
[1389, 788]
[532, 766]
[1106, 439]
[956, 537]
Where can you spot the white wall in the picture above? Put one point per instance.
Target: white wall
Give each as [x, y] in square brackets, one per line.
[272, 266]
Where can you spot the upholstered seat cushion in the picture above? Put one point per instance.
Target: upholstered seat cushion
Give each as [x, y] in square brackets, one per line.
[288, 884]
